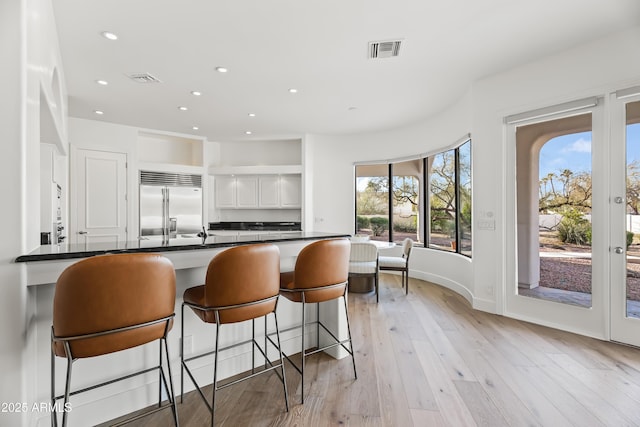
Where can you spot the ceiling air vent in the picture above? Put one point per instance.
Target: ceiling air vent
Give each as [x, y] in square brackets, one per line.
[384, 49]
[143, 78]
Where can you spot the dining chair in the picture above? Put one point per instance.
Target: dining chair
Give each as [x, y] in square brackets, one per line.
[363, 262]
[399, 263]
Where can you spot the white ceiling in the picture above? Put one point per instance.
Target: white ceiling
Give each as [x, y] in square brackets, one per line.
[316, 46]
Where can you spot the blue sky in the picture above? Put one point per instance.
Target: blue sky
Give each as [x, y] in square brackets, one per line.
[574, 151]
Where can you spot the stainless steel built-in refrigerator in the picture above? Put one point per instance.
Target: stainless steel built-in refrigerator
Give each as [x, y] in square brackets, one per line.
[170, 205]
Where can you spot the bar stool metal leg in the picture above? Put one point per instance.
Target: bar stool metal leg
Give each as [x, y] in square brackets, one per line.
[304, 355]
[54, 413]
[170, 393]
[182, 355]
[353, 358]
[215, 371]
[284, 377]
[67, 384]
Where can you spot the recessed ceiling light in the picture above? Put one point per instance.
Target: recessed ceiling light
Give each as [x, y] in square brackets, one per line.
[221, 69]
[195, 128]
[102, 82]
[196, 93]
[352, 108]
[252, 114]
[292, 90]
[248, 132]
[98, 112]
[182, 108]
[109, 35]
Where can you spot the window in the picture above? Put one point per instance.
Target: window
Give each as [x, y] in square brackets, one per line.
[406, 198]
[372, 201]
[427, 199]
[464, 191]
[442, 201]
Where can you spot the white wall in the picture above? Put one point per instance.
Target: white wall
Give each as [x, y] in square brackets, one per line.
[596, 68]
[29, 48]
[251, 153]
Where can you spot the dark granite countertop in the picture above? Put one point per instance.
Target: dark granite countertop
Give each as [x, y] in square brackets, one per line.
[69, 251]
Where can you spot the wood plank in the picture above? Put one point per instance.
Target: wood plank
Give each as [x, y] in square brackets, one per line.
[452, 408]
[455, 366]
[423, 417]
[482, 408]
[506, 399]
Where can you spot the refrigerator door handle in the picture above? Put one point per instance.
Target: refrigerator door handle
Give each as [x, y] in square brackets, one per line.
[173, 227]
[165, 231]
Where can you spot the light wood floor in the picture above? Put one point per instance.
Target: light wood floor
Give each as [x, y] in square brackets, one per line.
[428, 359]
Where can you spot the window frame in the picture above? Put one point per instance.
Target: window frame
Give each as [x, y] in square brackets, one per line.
[425, 232]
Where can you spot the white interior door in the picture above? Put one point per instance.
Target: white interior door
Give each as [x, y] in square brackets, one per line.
[625, 210]
[100, 180]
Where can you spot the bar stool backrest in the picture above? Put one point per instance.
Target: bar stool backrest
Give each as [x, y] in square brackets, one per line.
[107, 292]
[243, 275]
[322, 264]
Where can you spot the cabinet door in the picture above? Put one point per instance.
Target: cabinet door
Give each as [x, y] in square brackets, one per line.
[269, 191]
[247, 192]
[290, 191]
[225, 192]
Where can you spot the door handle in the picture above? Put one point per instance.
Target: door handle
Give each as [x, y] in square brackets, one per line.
[618, 250]
[83, 232]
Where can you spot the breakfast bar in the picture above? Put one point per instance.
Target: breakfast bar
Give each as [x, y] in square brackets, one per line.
[190, 257]
[44, 264]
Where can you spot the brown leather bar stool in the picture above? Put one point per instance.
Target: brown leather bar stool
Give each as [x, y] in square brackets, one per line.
[242, 283]
[321, 274]
[110, 303]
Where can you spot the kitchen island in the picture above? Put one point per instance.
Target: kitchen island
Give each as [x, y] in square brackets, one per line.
[190, 257]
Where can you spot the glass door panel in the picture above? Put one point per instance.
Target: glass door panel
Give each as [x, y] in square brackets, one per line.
[557, 257]
[554, 175]
[632, 282]
[625, 230]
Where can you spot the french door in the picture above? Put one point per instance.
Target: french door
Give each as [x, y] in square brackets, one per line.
[549, 281]
[625, 210]
[601, 296]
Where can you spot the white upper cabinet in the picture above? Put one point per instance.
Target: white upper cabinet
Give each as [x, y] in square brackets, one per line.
[290, 191]
[225, 192]
[270, 191]
[257, 192]
[247, 192]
